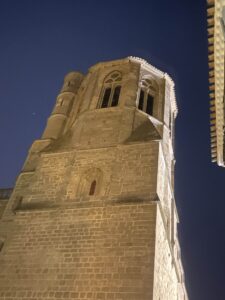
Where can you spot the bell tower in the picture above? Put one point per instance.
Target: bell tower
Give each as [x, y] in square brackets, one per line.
[93, 215]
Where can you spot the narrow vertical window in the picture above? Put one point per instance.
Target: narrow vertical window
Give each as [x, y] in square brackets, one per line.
[59, 102]
[92, 188]
[106, 97]
[149, 108]
[148, 95]
[116, 96]
[1, 244]
[141, 100]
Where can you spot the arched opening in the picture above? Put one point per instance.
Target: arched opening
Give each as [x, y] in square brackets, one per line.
[147, 94]
[111, 90]
[106, 96]
[92, 188]
[1, 244]
[90, 182]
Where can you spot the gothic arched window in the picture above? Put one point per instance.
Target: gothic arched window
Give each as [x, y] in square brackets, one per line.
[147, 93]
[90, 182]
[111, 90]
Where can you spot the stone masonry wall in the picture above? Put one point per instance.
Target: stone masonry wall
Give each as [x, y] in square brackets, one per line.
[166, 281]
[87, 253]
[126, 172]
[62, 244]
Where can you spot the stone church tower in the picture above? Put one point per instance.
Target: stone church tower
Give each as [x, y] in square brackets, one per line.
[93, 215]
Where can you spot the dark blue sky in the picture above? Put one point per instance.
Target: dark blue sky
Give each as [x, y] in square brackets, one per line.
[41, 41]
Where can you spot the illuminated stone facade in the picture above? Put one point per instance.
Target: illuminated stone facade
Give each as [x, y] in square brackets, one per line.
[216, 32]
[93, 215]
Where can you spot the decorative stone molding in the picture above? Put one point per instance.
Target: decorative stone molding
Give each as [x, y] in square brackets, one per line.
[216, 78]
[159, 73]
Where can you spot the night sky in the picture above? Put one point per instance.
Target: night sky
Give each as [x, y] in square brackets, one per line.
[41, 41]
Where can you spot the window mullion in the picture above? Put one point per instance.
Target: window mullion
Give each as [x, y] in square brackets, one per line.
[111, 95]
[102, 96]
[138, 97]
[145, 100]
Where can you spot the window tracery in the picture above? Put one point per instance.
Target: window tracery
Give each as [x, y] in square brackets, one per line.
[111, 90]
